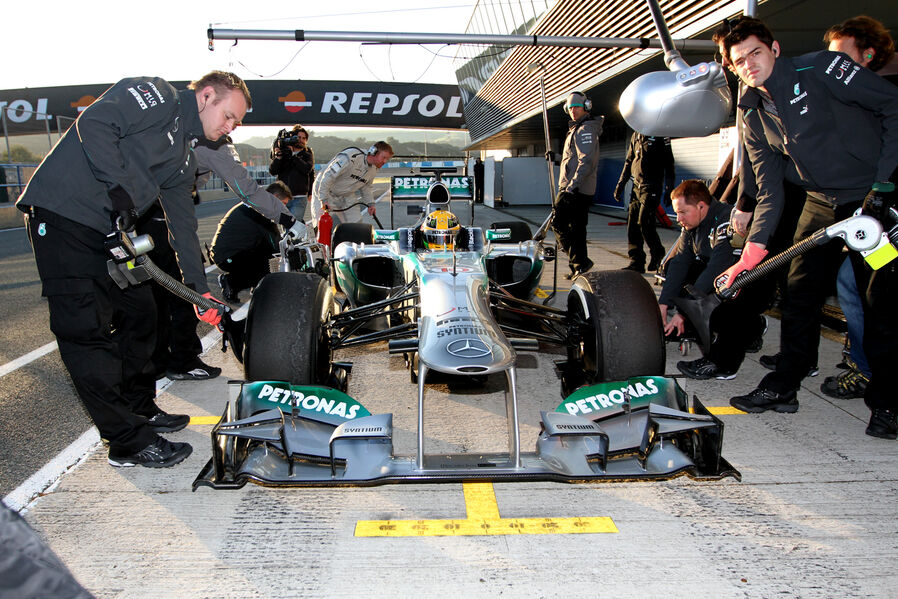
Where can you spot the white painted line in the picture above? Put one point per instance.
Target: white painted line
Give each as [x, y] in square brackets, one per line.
[27, 358]
[51, 347]
[44, 479]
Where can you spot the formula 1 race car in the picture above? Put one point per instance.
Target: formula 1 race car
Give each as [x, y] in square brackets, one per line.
[456, 302]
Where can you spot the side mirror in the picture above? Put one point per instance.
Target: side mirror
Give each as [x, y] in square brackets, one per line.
[690, 102]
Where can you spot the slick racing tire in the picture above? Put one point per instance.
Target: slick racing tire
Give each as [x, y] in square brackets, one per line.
[286, 339]
[520, 231]
[352, 232]
[623, 336]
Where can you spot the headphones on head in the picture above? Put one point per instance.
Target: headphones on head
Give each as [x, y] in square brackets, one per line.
[372, 150]
[577, 99]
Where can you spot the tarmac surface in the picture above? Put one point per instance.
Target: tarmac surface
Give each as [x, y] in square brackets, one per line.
[814, 515]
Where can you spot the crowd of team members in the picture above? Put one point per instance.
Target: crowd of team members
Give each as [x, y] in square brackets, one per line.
[820, 138]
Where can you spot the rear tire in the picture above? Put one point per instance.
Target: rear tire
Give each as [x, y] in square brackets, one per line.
[520, 231]
[286, 339]
[624, 336]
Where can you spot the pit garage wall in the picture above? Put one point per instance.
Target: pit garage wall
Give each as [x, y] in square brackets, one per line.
[525, 179]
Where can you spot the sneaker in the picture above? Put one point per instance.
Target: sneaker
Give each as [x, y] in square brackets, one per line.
[227, 292]
[199, 372]
[161, 453]
[769, 362]
[168, 423]
[761, 400]
[851, 384]
[634, 267]
[883, 424]
[704, 368]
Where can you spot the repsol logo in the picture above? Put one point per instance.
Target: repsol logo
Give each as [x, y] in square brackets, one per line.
[370, 103]
[20, 111]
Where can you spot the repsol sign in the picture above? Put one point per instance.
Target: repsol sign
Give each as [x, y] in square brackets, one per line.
[365, 103]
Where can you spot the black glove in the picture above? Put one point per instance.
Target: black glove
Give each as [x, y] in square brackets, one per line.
[124, 215]
[550, 156]
[879, 199]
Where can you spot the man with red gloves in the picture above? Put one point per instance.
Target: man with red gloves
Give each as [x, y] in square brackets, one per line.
[837, 123]
[132, 146]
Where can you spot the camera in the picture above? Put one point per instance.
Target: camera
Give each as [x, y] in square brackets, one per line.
[283, 142]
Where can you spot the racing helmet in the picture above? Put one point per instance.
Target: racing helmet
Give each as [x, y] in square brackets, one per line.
[439, 230]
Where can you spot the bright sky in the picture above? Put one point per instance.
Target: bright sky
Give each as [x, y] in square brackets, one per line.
[51, 42]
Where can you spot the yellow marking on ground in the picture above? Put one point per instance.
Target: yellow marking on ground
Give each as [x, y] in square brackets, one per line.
[483, 519]
[540, 293]
[718, 410]
[204, 419]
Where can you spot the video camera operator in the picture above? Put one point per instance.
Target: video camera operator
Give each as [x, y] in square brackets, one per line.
[293, 162]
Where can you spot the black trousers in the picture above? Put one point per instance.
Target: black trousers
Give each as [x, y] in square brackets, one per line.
[245, 269]
[644, 202]
[878, 291]
[569, 224]
[177, 343]
[736, 323]
[811, 279]
[105, 334]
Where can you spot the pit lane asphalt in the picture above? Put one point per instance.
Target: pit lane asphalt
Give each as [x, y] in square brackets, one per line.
[813, 517]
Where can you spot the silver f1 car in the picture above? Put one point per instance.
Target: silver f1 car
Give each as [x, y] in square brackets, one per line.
[456, 301]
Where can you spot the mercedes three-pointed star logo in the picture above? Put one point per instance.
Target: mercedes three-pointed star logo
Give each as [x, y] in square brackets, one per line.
[468, 348]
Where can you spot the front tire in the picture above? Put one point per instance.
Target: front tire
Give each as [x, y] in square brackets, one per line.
[286, 339]
[623, 336]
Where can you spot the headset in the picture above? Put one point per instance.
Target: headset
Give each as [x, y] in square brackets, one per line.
[582, 100]
[372, 150]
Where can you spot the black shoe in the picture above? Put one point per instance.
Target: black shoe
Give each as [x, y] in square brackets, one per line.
[654, 263]
[703, 369]
[168, 423]
[197, 371]
[576, 272]
[769, 362]
[161, 453]
[634, 267]
[227, 292]
[851, 384]
[883, 424]
[761, 400]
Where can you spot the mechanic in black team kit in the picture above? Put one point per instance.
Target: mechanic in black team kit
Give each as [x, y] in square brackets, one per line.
[128, 148]
[838, 123]
[577, 182]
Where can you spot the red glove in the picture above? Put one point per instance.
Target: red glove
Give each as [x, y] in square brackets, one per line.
[752, 254]
[210, 315]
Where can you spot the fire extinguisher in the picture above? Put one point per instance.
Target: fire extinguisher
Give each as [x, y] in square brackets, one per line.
[325, 224]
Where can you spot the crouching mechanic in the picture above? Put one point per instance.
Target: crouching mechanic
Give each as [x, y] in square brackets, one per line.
[345, 183]
[125, 150]
[244, 243]
[701, 253]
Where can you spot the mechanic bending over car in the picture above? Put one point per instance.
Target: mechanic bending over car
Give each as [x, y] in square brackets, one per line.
[244, 243]
[124, 150]
[345, 183]
[293, 162]
[838, 122]
[577, 182]
[701, 253]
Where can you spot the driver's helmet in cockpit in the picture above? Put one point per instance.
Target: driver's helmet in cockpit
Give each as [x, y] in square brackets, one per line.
[439, 230]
